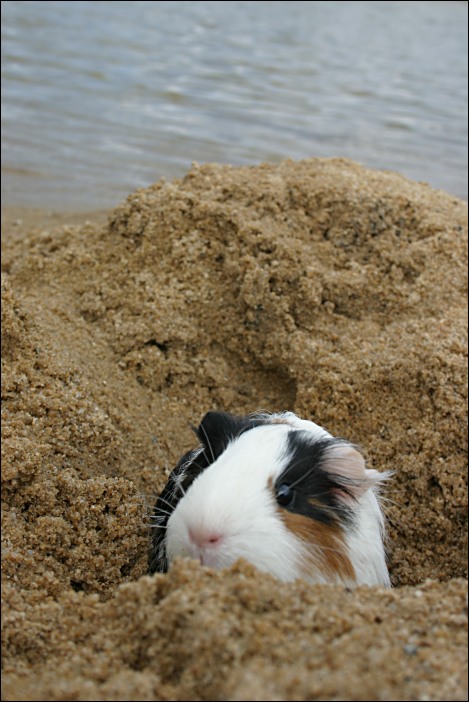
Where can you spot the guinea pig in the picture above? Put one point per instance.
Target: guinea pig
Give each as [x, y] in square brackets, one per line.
[278, 491]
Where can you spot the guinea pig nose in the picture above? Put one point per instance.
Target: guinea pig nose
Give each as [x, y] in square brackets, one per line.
[203, 537]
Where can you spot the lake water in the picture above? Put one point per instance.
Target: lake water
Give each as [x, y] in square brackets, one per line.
[100, 98]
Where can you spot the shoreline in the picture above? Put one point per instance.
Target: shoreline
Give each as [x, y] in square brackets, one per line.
[18, 220]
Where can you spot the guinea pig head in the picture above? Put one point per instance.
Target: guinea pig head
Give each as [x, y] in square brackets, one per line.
[281, 493]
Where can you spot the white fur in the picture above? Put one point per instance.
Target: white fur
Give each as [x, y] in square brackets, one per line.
[233, 500]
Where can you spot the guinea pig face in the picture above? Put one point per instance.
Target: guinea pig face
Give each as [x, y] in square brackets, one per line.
[280, 492]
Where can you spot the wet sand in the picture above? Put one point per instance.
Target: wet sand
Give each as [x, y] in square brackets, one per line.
[316, 286]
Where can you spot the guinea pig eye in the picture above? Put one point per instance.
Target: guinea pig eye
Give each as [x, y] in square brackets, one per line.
[284, 495]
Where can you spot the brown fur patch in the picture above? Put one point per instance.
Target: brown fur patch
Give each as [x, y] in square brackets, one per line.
[325, 543]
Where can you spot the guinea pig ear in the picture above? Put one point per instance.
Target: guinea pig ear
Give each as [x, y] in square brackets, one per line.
[216, 430]
[346, 467]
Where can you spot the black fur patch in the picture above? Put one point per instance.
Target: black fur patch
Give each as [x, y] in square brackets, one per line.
[215, 432]
[217, 429]
[165, 505]
[312, 491]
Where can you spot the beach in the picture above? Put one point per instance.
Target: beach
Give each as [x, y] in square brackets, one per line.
[317, 286]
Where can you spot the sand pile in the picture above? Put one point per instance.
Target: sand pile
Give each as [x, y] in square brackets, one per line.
[319, 287]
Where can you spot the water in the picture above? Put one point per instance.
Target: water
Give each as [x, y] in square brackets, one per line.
[99, 98]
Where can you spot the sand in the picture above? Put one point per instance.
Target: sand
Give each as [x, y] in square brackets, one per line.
[316, 286]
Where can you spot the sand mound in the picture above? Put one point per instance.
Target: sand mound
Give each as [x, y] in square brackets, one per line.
[319, 287]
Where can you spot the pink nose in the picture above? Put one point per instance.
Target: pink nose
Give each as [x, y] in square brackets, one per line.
[203, 537]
